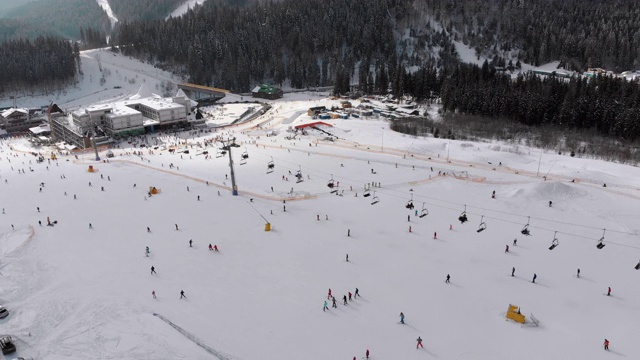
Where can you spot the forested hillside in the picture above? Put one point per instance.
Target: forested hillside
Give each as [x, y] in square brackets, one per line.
[62, 18]
[45, 63]
[128, 10]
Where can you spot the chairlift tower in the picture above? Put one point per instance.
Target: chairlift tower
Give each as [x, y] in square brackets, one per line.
[93, 137]
[231, 143]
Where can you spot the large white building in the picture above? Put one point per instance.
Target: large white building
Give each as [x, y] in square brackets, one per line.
[122, 118]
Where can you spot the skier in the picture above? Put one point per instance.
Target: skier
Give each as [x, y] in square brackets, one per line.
[506, 249]
[198, 197]
[606, 344]
[176, 226]
[326, 306]
[419, 340]
[578, 275]
[448, 278]
[409, 228]
[90, 226]
[408, 217]
[348, 232]
[318, 217]
[153, 293]
[435, 235]
[366, 356]
[326, 217]
[535, 276]
[356, 293]
[350, 294]
[215, 247]
[210, 247]
[333, 300]
[38, 209]
[147, 251]
[550, 202]
[513, 271]
[329, 295]
[450, 227]
[153, 270]
[401, 318]
[182, 295]
[347, 257]
[493, 195]
[609, 291]
[148, 229]
[515, 241]
[190, 242]
[344, 299]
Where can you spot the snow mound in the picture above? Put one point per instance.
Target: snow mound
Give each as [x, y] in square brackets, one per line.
[13, 240]
[551, 190]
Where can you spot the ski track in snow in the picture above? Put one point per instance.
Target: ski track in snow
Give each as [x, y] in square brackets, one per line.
[107, 8]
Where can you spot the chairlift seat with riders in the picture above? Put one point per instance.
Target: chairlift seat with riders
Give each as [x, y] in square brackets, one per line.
[367, 193]
[600, 244]
[299, 176]
[482, 225]
[525, 230]
[375, 199]
[424, 212]
[463, 217]
[409, 205]
[554, 243]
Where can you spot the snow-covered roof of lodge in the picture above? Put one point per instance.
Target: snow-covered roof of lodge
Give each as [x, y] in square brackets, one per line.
[158, 103]
[9, 112]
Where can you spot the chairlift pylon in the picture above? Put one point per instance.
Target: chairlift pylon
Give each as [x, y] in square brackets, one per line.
[375, 199]
[463, 217]
[424, 212]
[555, 242]
[482, 226]
[525, 229]
[600, 244]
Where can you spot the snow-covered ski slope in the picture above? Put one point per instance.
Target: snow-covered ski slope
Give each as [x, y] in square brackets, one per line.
[80, 293]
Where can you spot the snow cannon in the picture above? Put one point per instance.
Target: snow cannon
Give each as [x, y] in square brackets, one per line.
[153, 190]
[514, 314]
[267, 227]
[92, 169]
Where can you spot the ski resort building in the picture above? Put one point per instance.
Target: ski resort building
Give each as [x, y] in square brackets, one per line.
[123, 118]
[267, 92]
[15, 119]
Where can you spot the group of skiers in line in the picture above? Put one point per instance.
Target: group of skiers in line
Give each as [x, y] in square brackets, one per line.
[345, 299]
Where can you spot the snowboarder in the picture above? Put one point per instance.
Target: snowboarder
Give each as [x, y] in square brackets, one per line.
[190, 242]
[344, 299]
[326, 306]
[448, 278]
[401, 318]
[506, 249]
[606, 344]
[153, 270]
[609, 291]
[153, 293]
[210, 247]
[513, 271]
[419, 340]
[182, 295]
[535, 276]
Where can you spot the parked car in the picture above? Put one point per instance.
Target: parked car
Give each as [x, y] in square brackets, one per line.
[3, 312]
[6, 344]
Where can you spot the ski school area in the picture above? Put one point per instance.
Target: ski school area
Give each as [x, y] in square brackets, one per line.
[478, 245]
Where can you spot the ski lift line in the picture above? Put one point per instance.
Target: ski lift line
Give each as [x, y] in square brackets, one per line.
[402, 194]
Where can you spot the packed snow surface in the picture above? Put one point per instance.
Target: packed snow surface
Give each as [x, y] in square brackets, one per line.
[86, 293]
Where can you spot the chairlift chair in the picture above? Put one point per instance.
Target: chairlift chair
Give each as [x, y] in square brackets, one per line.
[245, 154]
[600, 244]
[463, 217]
[243, 161]
[299, 175]
[270, 166]
[483, 225]
[554, 243]
[367, 193]
[424, 212]
[375, 199]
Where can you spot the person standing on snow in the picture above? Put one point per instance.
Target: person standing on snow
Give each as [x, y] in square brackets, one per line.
[210, 247]
[349, 295]
[506, 249]
[609, 291]
[366, 356]
[535, 276]
[153, 270]
[448, 278]
[326, 306]
[513, 271]
[606, 344]
[153, 293]
[356, 293]
[401, 318]
[344, 299]
[182, 295]
[419, 340]
[334, 305]
[329, 294]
